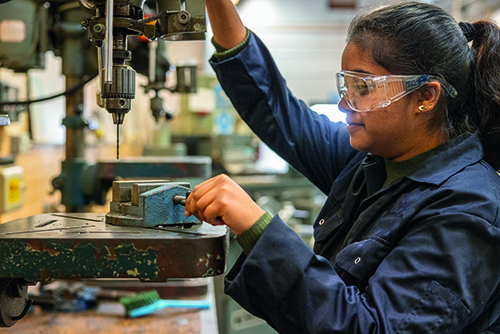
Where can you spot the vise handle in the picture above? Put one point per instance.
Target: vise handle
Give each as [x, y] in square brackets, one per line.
[181, 199]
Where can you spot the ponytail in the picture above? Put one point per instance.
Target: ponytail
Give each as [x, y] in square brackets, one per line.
[486, 87]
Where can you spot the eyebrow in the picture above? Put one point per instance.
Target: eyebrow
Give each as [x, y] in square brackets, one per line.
[362, 71]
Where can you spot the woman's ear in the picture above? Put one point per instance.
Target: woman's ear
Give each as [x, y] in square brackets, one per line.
[429, 96]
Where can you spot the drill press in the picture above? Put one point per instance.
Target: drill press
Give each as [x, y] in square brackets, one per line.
[175, 20]
[145, 235]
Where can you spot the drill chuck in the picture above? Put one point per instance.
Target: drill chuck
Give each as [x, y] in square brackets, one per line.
[117, 96]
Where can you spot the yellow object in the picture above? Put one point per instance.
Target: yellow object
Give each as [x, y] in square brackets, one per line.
[11, 188]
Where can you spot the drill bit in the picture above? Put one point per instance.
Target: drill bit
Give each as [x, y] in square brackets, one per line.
[118, 141]
[117, 119]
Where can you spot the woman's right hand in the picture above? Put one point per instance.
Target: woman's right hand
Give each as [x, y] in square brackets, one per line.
[220, 200]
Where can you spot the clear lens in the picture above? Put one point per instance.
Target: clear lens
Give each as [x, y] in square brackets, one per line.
[355, 90]
[363, 92]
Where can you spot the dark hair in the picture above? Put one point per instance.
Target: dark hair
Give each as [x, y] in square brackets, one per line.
[421, 38]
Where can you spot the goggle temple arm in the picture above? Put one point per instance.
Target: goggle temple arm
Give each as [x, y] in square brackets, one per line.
[385, 90]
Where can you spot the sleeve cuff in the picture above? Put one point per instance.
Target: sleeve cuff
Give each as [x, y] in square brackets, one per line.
[222, 53]
[249, 238]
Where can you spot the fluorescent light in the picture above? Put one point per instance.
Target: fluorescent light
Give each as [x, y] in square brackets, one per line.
[331, 111]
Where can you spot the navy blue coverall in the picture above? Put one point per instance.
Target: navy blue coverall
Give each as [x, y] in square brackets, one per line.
[419, 255]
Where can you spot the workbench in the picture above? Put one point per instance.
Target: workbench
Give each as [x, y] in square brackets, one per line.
[109, 318]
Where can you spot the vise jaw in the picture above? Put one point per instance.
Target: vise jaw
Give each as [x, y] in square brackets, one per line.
[149, 203]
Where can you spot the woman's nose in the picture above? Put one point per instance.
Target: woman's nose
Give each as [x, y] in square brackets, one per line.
[343, 106]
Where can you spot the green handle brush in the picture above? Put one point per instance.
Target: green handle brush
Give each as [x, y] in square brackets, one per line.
[148, 302]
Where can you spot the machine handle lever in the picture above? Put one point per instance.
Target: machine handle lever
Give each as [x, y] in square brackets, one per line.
[181, 199]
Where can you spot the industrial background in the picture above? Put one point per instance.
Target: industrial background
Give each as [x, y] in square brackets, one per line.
[59, 172]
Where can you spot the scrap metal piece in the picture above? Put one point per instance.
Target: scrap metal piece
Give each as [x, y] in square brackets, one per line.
[82, 245]
[148, 204]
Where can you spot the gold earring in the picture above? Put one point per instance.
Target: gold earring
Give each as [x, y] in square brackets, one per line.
[422, 108]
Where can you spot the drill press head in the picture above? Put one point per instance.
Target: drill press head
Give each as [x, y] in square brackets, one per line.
[114, 21]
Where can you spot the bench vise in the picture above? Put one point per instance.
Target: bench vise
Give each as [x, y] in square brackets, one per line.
[149, 204]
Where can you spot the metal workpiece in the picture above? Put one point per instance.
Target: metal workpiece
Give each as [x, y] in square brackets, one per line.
[73, 246]
[145, 204]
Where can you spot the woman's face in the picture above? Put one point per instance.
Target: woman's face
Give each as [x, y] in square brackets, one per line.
[396, 131]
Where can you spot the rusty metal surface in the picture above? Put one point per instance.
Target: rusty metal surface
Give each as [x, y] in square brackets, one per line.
[81, 245]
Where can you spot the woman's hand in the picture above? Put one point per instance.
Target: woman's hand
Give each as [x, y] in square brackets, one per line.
[219, 201]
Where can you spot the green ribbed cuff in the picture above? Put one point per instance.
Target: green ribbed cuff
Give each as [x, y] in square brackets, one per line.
[249, 238]
[222, 53]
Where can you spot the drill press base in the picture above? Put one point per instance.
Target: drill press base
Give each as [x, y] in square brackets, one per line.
[82, 245]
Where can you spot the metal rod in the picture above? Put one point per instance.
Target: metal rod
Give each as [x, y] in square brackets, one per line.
[100, 61]
[152, 61]
[108, 43]
[179, 200]
[150, 19]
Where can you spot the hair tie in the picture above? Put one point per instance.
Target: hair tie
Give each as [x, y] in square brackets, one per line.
[470, 32]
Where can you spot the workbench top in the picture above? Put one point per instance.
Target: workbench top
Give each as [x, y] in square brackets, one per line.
[109, 318]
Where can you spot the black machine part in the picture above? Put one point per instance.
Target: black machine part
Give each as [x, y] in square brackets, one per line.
[13, 303]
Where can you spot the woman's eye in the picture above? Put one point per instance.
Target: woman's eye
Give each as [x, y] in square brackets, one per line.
[362, 89]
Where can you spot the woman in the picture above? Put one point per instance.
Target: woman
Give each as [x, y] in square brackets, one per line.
[408, 240]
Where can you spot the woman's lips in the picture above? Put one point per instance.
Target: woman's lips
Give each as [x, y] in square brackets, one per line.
[354, 126]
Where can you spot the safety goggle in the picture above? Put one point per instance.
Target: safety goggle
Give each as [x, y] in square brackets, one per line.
[364, 92]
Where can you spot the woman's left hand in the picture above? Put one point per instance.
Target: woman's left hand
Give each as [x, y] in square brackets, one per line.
[220, 200]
